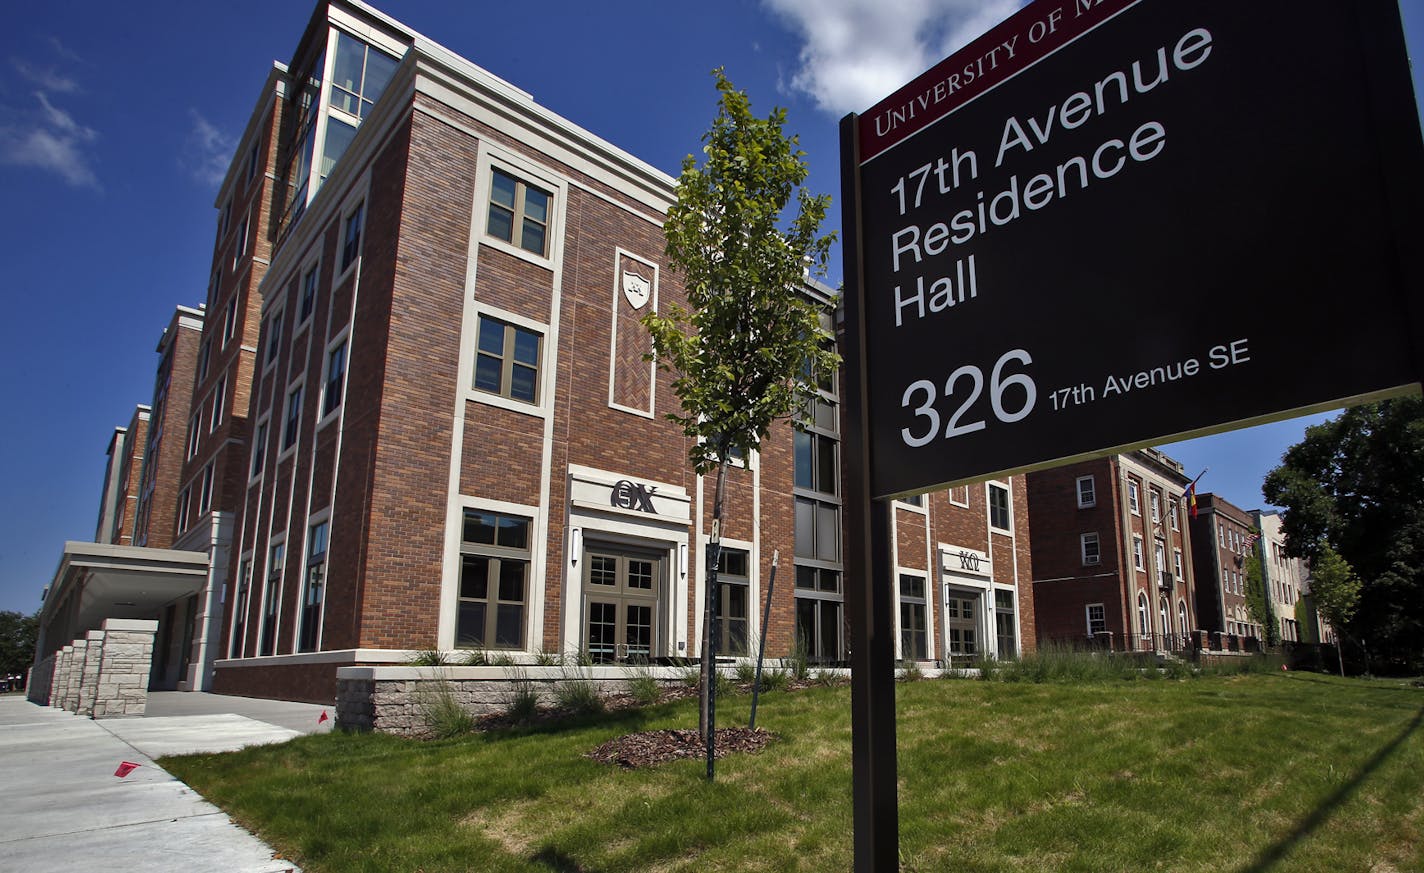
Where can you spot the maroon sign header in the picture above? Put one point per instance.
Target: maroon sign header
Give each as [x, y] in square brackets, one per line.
[1016, 44]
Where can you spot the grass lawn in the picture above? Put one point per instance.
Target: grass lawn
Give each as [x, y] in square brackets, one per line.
[1289, 772]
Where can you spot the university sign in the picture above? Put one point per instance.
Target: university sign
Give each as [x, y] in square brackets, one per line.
[1106, 224]
[1112, 223]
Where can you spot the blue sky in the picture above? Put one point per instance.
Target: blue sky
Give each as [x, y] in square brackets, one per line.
[117, 121]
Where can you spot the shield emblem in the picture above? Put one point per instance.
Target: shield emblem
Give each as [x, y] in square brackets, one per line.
[636, 289]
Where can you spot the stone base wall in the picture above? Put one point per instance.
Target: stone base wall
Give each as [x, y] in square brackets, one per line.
[39, 682]
[104, 675]
[395, 700]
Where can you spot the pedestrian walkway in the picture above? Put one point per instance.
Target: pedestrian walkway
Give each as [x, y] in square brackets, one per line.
[64, 809]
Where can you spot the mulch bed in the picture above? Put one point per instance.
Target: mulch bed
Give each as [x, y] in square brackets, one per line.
[650, 748]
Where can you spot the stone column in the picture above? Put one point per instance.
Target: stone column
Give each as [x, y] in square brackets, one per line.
[61, 676]
[79, 649]
[89, 673]
[124, 668]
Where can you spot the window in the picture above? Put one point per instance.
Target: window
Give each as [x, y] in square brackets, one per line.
[335, 375]
[274, 338]
[1173, 508]
[999, 516]
[241, 247]
[259, 450]
[518, 213]
[272, 598]
[1182, 618]
[1226, 580]
[915, 500]
[308, 296]
[1087, 492]
[734, 588]
[204, 354]
[252, 162]
[224, 219]
[961, 622]
[239, 609]
[213, 286]
[314, 589]
[229, 320]
[1177, 562]
[184, 497]
[1159, 557]
[914, 631]
[1097, 619]
[507, 360]
[1132, 502]
[219, 402]
[195, 434]
[359, 75]
[494, 574]
[351, 239]
[959, 496]
[294, 418]
[205, 493]
[1144, 619]
[1005, 625]
[1154, 500]
[818, 526]
[820, 616]
[1138, 559]
[1091, 549]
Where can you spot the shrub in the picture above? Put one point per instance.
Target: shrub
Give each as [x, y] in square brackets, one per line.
[443, 715]
[547, 659]
[575, 693]
[501, 659]
[691, 675]
[746, 672]
[800, 660]
[429, 658]
[521, 701]
[476, 658]
[775, 679]
[828, 678]
[989, 668]
[910, 672]
[643, 688]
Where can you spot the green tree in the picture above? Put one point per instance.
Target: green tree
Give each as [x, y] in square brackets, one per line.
[18, 635]
[1335, 590]
[1356, 485]
[745, 352]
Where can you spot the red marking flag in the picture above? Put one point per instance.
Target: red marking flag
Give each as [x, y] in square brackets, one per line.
[324, 717]
[125, 768]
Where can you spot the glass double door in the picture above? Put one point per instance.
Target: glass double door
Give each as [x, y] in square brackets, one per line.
[621, 604]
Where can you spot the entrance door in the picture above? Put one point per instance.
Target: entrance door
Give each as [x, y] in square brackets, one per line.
[621, 604]
[961, 622]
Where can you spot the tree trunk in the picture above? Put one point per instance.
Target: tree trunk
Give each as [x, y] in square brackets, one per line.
[707, 714]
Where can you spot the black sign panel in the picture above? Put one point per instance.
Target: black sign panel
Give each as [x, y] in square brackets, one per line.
[1109, 223]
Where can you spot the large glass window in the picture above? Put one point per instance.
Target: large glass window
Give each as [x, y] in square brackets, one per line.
[494, 581]
[820, 621]
[274, 338]
[314, 589]
[351, 238]
[816, 468]
[818, 530]
[519, 213]
[914, 626]
[734, 586]
[359, 75]
[507, 360]
[308, 296]
[239, 609]
[1087, 492]
[1005, 623]
[1097, 619]
[294, 418]
[1091, 548]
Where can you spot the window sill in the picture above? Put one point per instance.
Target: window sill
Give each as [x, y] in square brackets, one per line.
[495, 242]
[475, 395]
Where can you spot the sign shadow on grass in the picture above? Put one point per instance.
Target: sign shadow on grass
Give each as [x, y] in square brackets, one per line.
[1268, 859]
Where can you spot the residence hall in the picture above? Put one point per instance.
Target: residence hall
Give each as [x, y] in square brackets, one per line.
[1224, 543]
[1112, 553]
[456, 442]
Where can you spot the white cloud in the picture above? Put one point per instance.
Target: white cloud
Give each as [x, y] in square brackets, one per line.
[207, 152]
[47, 78]
[51, 140]
[855, 52]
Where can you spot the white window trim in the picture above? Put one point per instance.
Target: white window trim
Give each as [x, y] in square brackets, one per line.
[1083, 549]
[242, 241]
[1078, 491]
[236, 646]
[545, 407]
[355, 200]
[314, 519]
[953, 502]
[264, 419]
[335, 413]
[1139, 554]
[286, 452]
[273, 542]
[929, 606]
[450, 584]
[1154, 502]
[619, 254]
[312, 267]
[922, 509]
[219, 406]
[1088, 617]
[1134, 498]
[989, 506]
[492, 159]
[274, 321]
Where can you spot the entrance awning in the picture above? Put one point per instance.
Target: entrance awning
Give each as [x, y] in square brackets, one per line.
[96, 581]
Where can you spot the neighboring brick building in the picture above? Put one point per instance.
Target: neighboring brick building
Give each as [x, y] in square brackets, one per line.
[119, 500]
[161, 479]
[1111, 553]
[1286, 579]
[1221, 546]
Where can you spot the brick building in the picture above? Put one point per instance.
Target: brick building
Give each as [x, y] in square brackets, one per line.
[119, 499]
[155, 520]
[1222, 546]
[1111, 553]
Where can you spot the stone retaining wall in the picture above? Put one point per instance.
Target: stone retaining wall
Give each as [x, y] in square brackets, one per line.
[395, 700]
[103, 675]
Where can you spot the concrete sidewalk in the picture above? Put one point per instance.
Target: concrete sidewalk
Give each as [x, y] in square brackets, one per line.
[63, 809]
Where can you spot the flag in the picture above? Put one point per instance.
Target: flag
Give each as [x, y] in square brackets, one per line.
[1191, 493]
[125, 768]
[323, 717]
[1251, 540]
